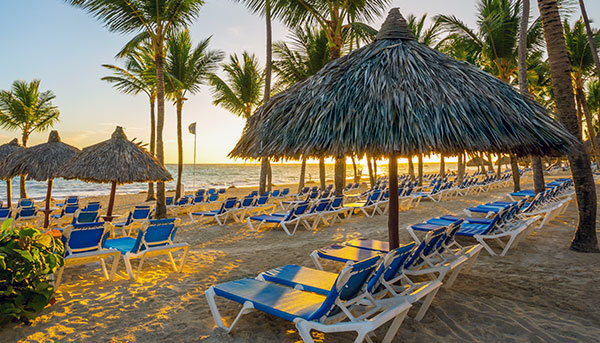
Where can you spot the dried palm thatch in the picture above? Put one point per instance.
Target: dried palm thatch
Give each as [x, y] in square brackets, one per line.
[39, 162]
[397, 96]
[9, 148]
[5, 151]
[115, 160]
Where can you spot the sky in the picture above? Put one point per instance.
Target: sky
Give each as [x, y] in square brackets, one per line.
[64, 47]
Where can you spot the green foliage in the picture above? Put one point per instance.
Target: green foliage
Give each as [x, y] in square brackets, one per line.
[24, 107]
[27, 259]
[241, 90]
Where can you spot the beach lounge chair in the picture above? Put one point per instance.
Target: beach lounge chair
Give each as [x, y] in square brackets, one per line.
[83, 245]
[155, 237]
[182, 204]
[242, 208]
[92, 206]
[372, 203]
[5, 213]
[389, 279]
[332, 213]
[84, 216]
[294, 216]
[69, 200]
[25, 216]
[25, 202]
[66, 214]
[222, 213]
[134, 219]
[313, 311]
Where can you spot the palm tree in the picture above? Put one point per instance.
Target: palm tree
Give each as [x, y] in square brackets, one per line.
[593, 98]
[307, 53]
[265, 7]
[590, 36]
[339, 20]
[138, 76]
[241, 90]
[494, 43]
[151, 20]
[585, 236]
[186, 68]
[582, 65]
[25, 108]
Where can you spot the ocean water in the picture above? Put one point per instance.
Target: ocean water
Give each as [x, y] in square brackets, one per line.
[206, 175]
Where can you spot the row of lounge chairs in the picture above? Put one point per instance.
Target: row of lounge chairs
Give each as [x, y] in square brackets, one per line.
[377, 285]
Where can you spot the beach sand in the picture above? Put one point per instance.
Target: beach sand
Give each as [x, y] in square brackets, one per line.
[540, 292]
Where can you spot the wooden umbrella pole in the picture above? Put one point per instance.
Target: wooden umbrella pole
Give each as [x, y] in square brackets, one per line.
[48, 197]
[9, 193]
[393, 202]
[111, 201]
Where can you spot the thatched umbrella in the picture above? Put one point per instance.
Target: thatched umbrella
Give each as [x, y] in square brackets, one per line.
[115, 161]
[40, 163]
[5, 150]
[397, 97]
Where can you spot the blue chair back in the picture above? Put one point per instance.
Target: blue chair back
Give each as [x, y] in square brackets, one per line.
[155, 232]
[71, 200]
[247, 201]
[222, 190]
[390, 267]
[169, 200]
[83, 216]
[78, 238]
[284, 192]
[336, 203]
[275, 193]
[25, 212]
[25, 203]
[349, 285]
[200, 192]
[228, 204]
[93, 206]
[5, 213]
[212, 197]
[261, 200]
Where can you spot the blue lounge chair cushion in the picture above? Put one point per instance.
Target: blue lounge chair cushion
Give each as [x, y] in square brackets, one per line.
[342, 253]
[280, 301]
[124, 244]
[207, 213]
[425, 227]
[470, 220]
[471, 230]
[524, 193]
[311, 280]
[269, 218]
[369, 244]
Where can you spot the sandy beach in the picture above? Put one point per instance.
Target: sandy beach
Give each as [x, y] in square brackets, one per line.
[540, 292]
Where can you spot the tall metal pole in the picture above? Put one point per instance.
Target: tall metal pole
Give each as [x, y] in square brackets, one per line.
[194, 172]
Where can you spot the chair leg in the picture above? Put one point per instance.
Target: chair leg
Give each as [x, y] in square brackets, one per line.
[393, 329]
[183, 258]
[426, 304]
[172, 260]
[315, 257]
[128, 267]
[113, 269]
[104, 271]
[58, 277]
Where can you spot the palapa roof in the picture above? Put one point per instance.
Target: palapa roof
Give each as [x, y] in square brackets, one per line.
[9, 148]
[396, 95]
[39, 162]
[115, 160]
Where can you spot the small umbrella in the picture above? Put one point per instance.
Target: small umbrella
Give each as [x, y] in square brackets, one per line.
[5, 150]
[40, 163]
[115, 161]
[397, 97]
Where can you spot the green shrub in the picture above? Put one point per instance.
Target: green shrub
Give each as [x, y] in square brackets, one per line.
[27, 259]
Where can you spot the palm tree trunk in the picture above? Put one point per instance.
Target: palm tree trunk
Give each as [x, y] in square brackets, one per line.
[9, 193]
[588, 122]
[340, 175]
[22, 188]
[269, 177]
[420, 168]
[302, 175]
[355, 170]
[161, 206]
[461, 169]
[442, 166]
[590, 35]
[375, 168]
[411, 169]
[322, 173]
[178, 190]
[370, 168]
[514, 168]
[393, 234]
[499, 165]
[585, 239]
[536, 162]
[265, 166]
[264, 171]
[150, 196]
